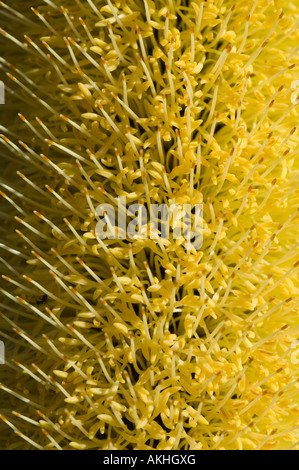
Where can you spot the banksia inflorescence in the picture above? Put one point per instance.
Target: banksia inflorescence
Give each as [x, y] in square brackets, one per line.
[142, 343]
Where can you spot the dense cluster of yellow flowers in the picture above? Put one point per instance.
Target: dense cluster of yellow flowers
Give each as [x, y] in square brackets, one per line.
[141, 343]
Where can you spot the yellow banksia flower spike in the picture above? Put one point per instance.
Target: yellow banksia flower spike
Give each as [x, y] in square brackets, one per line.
[139, 340]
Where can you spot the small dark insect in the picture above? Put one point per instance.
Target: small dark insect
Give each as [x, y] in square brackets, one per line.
[42, 300]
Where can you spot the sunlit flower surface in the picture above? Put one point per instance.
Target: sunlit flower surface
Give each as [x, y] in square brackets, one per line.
[142, 343]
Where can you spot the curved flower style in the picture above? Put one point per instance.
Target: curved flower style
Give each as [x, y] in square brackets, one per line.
[143, 342]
